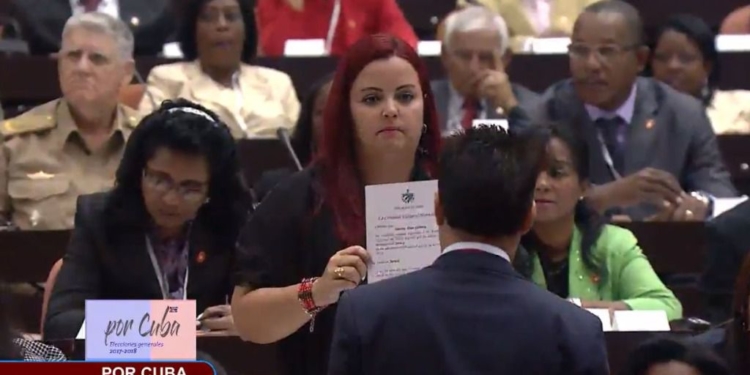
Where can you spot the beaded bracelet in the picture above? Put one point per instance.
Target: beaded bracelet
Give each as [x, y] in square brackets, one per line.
[305, 297]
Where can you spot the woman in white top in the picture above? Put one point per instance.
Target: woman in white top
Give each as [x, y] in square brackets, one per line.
[685, 57]
[218, 40]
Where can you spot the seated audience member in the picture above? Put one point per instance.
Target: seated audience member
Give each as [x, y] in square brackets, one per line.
[15, 348]
[685, 57]
[217, 39]
[571, 252]
[339, 22]
[737, 22]
[537, 18]
[152, 21]
[303, 245]
[732, 340]
[305, 137]
[654, 153]
[664, 356]
[474, 54]
[471, 293]
[728, 243]
[71, 146]
[167, 229]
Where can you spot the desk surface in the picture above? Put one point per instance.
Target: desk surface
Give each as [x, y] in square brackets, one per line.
[33, 79]
[244, 358]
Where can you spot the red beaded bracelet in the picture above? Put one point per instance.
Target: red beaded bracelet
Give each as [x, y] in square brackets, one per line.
[305, 297]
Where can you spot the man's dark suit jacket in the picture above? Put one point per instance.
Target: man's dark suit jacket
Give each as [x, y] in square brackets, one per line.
[119, 268]
[669, 131]
[441, 89]
[152, 23]
[468, 313]
[728, 237]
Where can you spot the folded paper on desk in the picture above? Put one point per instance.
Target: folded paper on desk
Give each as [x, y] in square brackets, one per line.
[603, 315]
[651, 320]
[82, 332]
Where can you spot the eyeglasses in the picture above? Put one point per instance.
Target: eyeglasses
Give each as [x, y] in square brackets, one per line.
[604, 54]
[189, 191]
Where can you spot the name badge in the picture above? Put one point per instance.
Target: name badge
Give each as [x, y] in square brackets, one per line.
[128, 330]
[495, 123]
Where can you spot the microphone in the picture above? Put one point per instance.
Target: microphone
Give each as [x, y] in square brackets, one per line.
[283, 135]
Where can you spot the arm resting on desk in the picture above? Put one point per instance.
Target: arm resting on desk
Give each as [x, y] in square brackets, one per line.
[634, 280]
[78, 280]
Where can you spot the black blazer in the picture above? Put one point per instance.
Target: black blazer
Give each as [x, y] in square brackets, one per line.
[96, 267]
[151, 21]
[468, 313]
[669, 131]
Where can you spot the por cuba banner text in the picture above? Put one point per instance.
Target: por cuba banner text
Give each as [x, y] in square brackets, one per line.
[106, 368]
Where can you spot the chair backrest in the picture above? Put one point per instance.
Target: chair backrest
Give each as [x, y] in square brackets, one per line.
[131, 95]
[48, 291]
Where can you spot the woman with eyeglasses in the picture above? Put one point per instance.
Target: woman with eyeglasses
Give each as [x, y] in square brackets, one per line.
[168, 228]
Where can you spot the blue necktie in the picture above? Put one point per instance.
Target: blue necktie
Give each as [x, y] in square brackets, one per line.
[613, 132]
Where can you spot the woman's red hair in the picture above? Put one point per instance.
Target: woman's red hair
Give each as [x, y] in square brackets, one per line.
[342, 189]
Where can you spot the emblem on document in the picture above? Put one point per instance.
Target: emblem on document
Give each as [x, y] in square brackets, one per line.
[407, 197]
[41, 175]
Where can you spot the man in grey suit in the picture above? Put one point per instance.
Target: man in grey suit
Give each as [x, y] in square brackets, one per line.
[474, 54]
[655, 155]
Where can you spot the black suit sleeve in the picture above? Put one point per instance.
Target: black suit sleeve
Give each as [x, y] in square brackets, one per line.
[78, 280]
[346, 352]
[705, 170]
[584, 347]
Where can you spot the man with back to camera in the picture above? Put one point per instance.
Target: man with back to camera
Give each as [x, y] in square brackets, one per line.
[655, 155]
[470, 312]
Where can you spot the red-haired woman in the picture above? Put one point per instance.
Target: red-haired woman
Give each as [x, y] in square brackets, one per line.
[303, 245]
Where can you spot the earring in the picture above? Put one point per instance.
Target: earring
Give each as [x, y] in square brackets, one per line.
[424, 128]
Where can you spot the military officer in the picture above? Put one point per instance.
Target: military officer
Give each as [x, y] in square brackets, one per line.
[71, 146]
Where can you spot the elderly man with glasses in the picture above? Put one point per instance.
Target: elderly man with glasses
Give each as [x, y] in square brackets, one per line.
[653, 153]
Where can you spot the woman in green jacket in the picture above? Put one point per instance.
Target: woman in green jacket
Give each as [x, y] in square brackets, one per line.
[572, 252]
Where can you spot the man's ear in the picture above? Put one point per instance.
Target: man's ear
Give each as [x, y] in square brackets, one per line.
[528, 222]
[507, 58]
[129, 67]
[642, 55]
[439, 214]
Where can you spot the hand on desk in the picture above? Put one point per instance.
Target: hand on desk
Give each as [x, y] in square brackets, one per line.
[217, 318]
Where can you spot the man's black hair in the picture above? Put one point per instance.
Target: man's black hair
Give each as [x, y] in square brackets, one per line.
[487, 178]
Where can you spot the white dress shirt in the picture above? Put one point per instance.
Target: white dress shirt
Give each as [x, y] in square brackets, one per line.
[538, 12]
[111, 7]
[477, 246]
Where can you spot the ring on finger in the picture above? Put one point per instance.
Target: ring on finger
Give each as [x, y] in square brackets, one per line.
[688, 214]
[339, 271]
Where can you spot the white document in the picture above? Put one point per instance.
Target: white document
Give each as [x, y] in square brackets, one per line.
[722, 205]
[603, 315]
[82, 332]
[643, 320]
[402, 235]
[305, 47]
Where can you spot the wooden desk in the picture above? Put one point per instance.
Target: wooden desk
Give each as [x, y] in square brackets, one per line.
[244, 358]
[672, 248]
[29, 255]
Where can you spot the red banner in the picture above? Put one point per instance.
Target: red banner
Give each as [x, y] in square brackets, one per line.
[106, 368]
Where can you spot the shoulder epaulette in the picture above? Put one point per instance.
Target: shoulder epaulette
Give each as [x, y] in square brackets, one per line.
[30, 122]
[132, 117]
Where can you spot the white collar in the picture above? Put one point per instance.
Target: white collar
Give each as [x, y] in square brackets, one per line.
[477, 246]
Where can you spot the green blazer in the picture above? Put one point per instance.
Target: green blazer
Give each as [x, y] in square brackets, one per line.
[631, 279]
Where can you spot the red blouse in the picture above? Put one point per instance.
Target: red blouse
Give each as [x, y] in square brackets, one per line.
[278, 22]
